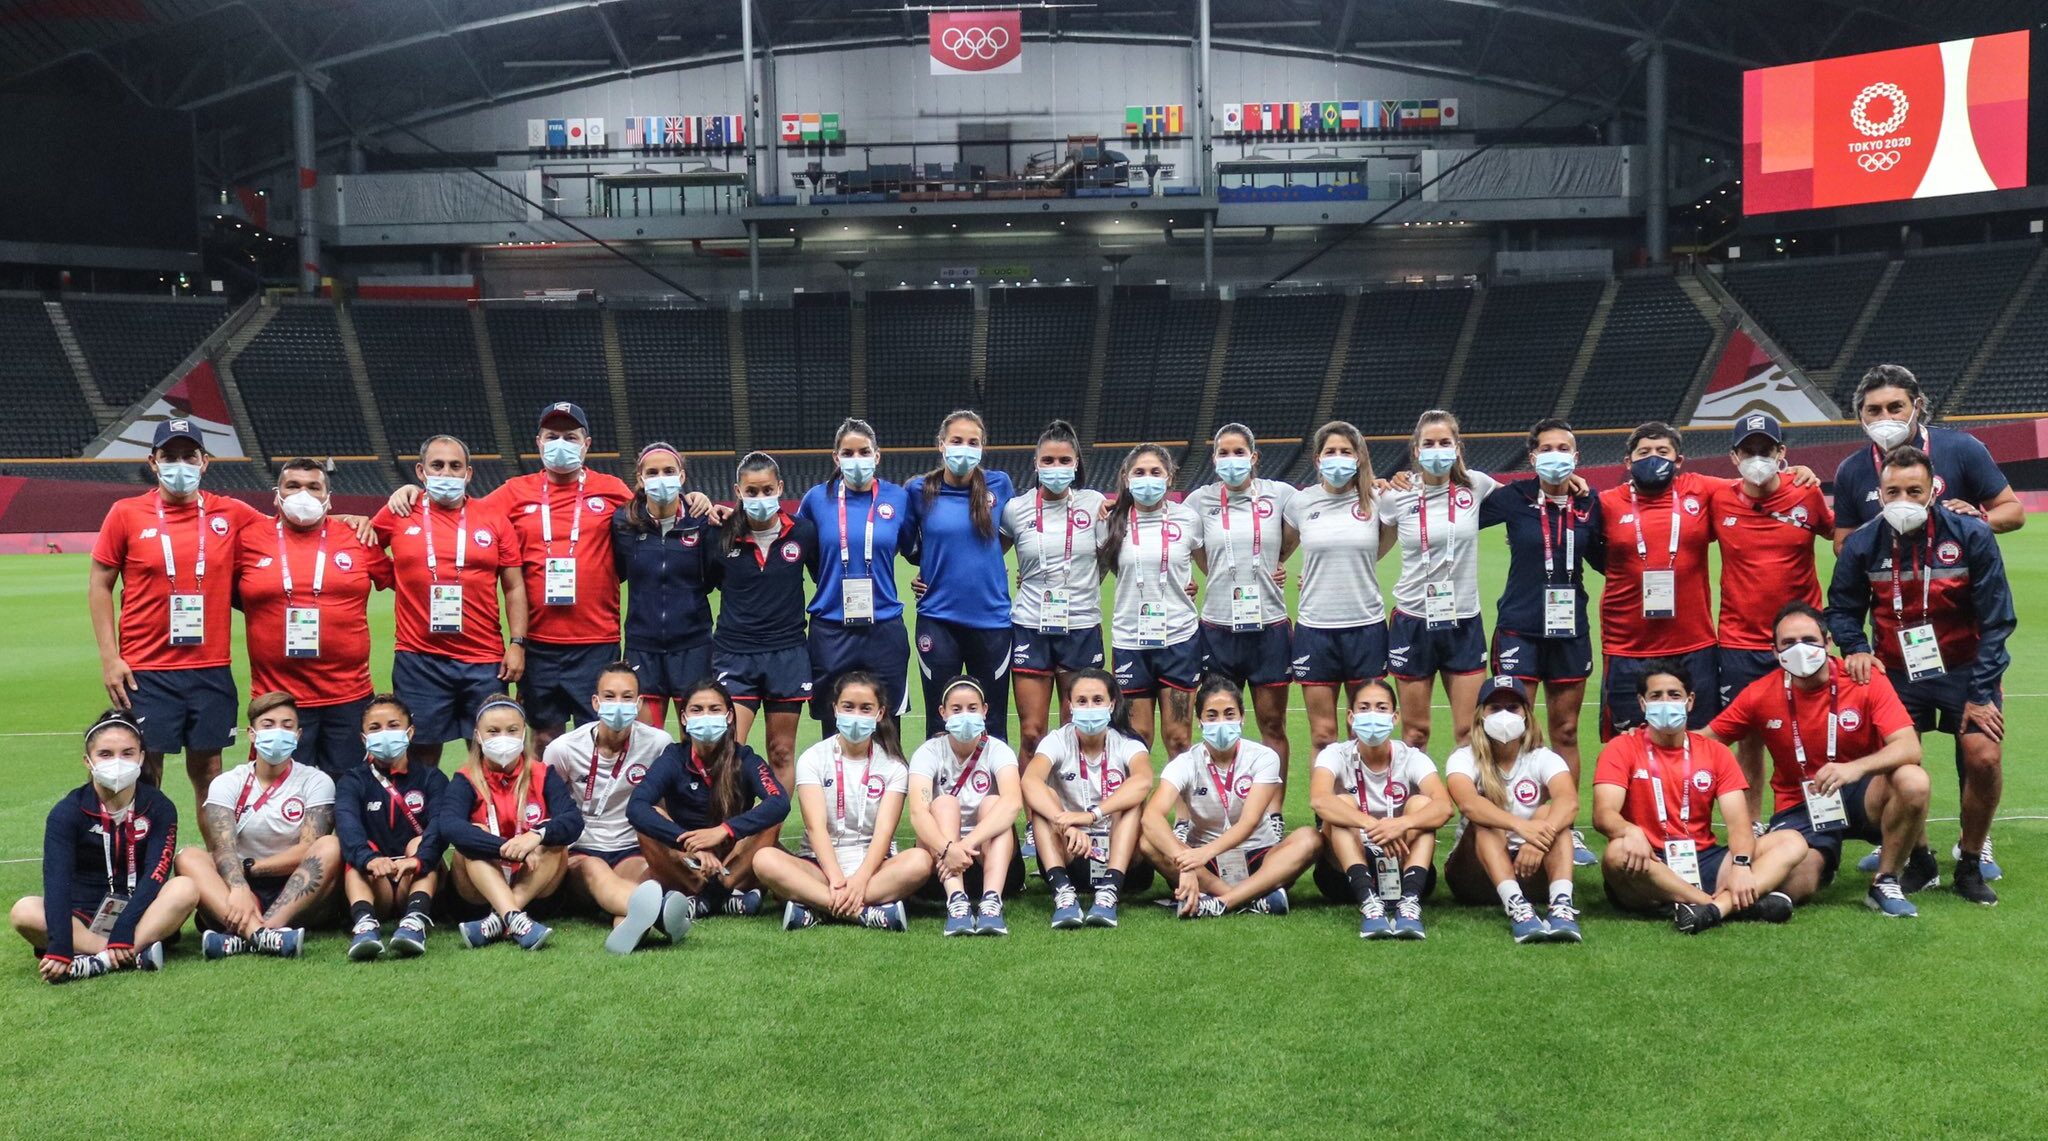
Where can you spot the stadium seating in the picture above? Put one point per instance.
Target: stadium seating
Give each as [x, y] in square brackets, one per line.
[424, 372]
[676, 376]
[49, 409]
[296, 385]
[803, 471]
[1279, 350]
[1647, 355]
[1939, 308]
[1038, 345]
[546, 353]
[2015, 378]
[1528, 337]
[1400, 347]
[1157, 345]
[1807, 305]
[133, 344]
[367, 477]
[799, 367]
[134, 472]
[919, 362]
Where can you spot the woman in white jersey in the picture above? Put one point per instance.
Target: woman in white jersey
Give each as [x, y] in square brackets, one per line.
[1518, 799]
[1228, 790]
[1381, 803]
[1245, 544]
[1340, 633]
[1436, 628]
[964, 797]
[850, 788]
[1152, 545]
[1056, 610]
[1086, 787]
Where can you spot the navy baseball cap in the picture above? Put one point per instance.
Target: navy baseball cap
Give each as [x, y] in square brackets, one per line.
[179, 429]
[1503, 683]
[564, 408]
[1758, 424]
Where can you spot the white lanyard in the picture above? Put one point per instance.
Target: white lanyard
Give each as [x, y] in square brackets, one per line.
[1635, 513]
[1792, 714]
[461, 539]
[163, 534]
[547, 514]
[867, 540]
[284, 563]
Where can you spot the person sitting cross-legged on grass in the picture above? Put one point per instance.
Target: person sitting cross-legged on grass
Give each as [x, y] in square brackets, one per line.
[510, 820]
[1381, 802]
[1518, 800]
[1654, 794]
[964, 798]
[271, 863]
[383, 815]
[1086, 790]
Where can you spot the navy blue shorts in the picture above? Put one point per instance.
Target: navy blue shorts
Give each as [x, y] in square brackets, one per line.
[267, 889]
[1738, 669]
[1622, 711]
[611, 859]
[1143, 673]
[1936, 704]
[779, 677]
[183, 710]
[946, 650]
[1419, 652]
[1559, 660]
[442, 693]
[1039, 654]
[331, 736]
[1348, 655]
[561, 679]
[1255, 657]
[668, 673]
[882, 649]
[1829, 843]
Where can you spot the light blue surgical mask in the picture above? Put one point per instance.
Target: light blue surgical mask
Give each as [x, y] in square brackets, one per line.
[1056, 479]
[1221, 735]
[178, 478]
[386, 744]
[1234, 470]
[761, 508]
[705, 728]
[857, 470]
[616, 715]
[855, 727]
[966, 727]
[1372, 726]
[1664, 714]
[447, 490]
[1554, 467]
[962, 458]
[275, 745]
[664, 489]
[563, 457]
[1090, 721]
[1337, 470]
[1148, 490]
[1436, 461]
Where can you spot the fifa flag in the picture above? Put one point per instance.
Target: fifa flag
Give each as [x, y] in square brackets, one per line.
[1348, 117]
[791, 132]
[558, 133]
[593, 132]
[536, 133]
[1233, 118]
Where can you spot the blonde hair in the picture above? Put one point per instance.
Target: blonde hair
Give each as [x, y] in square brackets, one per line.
[474, 770]
[1491, 786]
[1361, 482]
[1434, 416]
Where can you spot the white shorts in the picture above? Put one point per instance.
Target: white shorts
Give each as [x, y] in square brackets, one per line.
[850, 856]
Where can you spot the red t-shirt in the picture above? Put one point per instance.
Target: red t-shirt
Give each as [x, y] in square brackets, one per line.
[341, 671]
[1766, 556]
[488, 543]
[1866, 715]
[1624, 632]
[527, 500]
[1630, 761]
[131, 542]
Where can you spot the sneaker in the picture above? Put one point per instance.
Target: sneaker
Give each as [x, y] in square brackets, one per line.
[1772, 907]
[367, 941]
[643, 911]
[1921, 871]
[960, 916]
[88, 967]
[1563, 921]
[283, 942]
[1970, 883]
[1991, 869]
[1030, 845]
[990, 921]
[1066, 908]
[409, 938]
[1408, 919]
[699, 909]
[150, 958]
[796, 917]
[1272, 903]
[678, 912]
[1372, 921]
[1693, 918]
[1582, 856]
[888, 917]
[1888, 899]
[220, 944]
[745, 903]
[1870, 859]
[1103, 912]
[1207, 907]
[528, 934]
[1524, 925]
[478, 932]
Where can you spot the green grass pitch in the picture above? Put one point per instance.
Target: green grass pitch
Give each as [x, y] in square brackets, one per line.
[1246, 1025]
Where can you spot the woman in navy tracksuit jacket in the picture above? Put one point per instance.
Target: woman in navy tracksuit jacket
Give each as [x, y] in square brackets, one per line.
[963, 584]
[663, 556]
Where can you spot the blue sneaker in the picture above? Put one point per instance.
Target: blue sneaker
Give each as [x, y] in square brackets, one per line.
[220, 944]
[481, 932]
[283, 942]
[150, 958]
[990, 921]
[1888, 899]
[367, 941]
[747, 903]
[888, 917]
[678, 912]
[1207, 907]
[796, 917]
[1408, 919]
[959, 916]
[409, 940]
[643, 910]
[1564, 921]
[1372, 919]
[1582, 856]
[1525, 925]
[1066, 908]
[1869, 861]
[1984, 861]
[525, 932]
[1103, 912]
[1272, 903]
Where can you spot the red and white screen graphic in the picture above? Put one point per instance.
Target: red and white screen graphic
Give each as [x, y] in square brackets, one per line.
[976, 43]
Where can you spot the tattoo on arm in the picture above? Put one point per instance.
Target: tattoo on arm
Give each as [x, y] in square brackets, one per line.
[217, 825]
[319, 822]
[304, 879]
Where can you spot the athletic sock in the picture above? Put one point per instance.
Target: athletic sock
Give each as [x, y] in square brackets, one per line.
[1113, 878]
[1510, 894]
[1560, 888]
[421, 903]
[1413, 881]
[1363, 886]
[361, 913]
[1056, 875]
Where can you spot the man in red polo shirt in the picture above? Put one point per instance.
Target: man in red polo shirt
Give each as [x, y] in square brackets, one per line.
[303, 583]
[1845, 762]
[172, 549]
[451, 557]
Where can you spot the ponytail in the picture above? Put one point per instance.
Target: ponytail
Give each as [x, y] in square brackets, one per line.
[1120, 508]
[977, 483]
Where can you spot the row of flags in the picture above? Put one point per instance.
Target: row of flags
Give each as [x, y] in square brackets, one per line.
[1339, 116]
[800, 128]
[641, 131]
[1154, 120]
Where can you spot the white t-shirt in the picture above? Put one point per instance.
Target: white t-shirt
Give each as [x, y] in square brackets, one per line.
[936, 760]
[1137, 574]
[1211, 815]
[268, 819]
[1527, 781]
[603, 799]
[1453, 555]
[1083, 782]
[851, 808]
[1255, 514]
[1378, 794]
[1340, 550]
[1041, 539]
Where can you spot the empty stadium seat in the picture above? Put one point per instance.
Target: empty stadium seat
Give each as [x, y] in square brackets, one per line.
[423, 368]
[132, 344]
[1528, 337]
[51, 415]
[2015, 378]
[1280, 348]
[133, 472]
[677, 376]
[1940, 306]
[296, 385]
[919, 363]
[1159, 350]
[1644, 364]
[1401, 345]
[547, 353]
[1038, 345]
[799, 371]
[1807, 305]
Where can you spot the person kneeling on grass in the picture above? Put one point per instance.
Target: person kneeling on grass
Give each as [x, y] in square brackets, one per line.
[510, 820]
[383, 816]
[603, 762]
[964, 797]
[270, 855]
[849, 868]
[1518, 800]
[1381, 803]
[1228, 790]
[706, 807]
[1654, 793]
[1086, 789]
[108, 899]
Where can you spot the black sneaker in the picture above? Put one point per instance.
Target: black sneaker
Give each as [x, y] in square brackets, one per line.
[1773, 907]
[1971, 886]
[1693, 918]
[1920, 872]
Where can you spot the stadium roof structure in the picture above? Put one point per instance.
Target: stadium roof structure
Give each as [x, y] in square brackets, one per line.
[377, 64]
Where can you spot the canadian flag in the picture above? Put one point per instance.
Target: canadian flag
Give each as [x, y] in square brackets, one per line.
[792, 130]
[976, 43]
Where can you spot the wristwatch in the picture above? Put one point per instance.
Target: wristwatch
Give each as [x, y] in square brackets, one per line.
[248, 866]
[519, 642]
[1742, 861]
